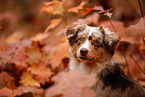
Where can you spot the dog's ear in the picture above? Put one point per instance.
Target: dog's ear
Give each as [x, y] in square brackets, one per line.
[110, 38]
[72, 31]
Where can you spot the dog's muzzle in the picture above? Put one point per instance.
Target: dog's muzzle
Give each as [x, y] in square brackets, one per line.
[84, 51]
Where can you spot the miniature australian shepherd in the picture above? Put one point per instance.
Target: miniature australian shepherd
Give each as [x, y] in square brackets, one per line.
[91, 50]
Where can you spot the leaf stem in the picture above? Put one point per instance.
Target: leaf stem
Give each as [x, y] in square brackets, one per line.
[137, 64]
[141, 10]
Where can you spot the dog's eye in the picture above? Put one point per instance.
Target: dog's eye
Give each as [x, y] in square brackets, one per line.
[96, 43]
[79, 41]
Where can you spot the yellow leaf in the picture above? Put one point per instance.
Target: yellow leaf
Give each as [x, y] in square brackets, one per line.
[54, 8]
[28, 80]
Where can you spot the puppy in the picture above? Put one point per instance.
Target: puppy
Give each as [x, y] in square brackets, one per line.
[91, 50]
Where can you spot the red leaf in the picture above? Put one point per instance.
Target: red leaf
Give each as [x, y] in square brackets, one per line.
[88, 11]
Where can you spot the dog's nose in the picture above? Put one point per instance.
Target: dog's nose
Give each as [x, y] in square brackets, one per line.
[84, 51]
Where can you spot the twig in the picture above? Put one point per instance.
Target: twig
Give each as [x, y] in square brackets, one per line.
[126, 61]
[110, 22]
[141, 10]
[65, 18]
[137, 64]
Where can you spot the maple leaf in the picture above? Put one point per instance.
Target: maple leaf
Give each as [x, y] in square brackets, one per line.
[76, 9]
[72, 84]
[60, 51]
[6, 80]
[53, 23]
[35, 54]
[99, 9]
[40, 71]
[28, 80]
[5, 92]
[88, 10]
[53, 7]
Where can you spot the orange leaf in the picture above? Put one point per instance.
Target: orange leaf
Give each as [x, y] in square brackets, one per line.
[46, 5]
[54, 7]
[60, 52]
[28, 80]
[53, 23]
[40, 71]
[75, 9]
[88, 11]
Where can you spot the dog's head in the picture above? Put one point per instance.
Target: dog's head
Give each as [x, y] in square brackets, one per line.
[91, 44]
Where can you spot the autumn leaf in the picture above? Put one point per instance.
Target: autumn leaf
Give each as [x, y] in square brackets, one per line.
[99, 9]
[40, 71]
[28, 80]
[5, 92]
[93, 18]
[35, 54]
[76, 9]
[53, 7]
[53, 23]
[60, 52]
[88, 10]
[28, 89]
[72, 84]
[136, 29]
[40, 36]
[7, 80]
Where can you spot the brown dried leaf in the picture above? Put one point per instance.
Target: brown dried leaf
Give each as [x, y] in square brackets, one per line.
[72, 84]
[60, 52]
[6, 80]
[5, 92]
[36, 55]
[34, 90]
[76, 9]
[135, 30]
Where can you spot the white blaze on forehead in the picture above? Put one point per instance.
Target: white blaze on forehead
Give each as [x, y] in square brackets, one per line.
[92, 29]
[85, 45]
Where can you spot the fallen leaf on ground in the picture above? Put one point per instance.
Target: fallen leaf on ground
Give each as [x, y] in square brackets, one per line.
[60, 52]
[28, 80]
[35, 54]
[36, 92]
[41, 71]
[5, 92]
[6, 80]
[72, 84]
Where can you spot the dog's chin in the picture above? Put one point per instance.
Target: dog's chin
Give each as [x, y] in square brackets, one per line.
[82, 58]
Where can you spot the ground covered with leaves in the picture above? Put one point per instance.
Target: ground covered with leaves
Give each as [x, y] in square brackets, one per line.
[34, 55]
